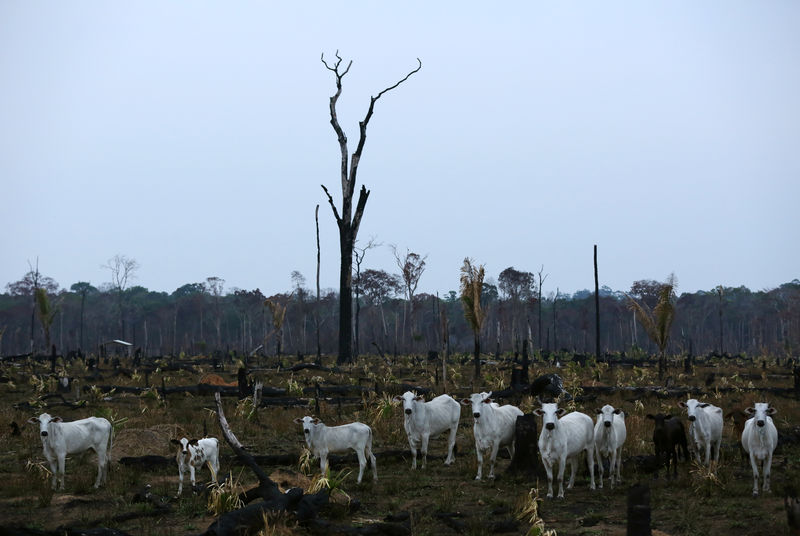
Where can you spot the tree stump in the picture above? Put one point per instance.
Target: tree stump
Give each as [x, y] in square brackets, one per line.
[526, 454]
[639, 510]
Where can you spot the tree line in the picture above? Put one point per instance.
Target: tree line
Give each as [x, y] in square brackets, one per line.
[390, 317]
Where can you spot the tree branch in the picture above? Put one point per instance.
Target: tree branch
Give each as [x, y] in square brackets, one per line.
[244, 457]
[362, 202]
[330, 200]
[363, 124]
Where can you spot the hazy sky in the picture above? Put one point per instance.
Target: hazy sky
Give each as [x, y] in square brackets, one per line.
[194, 136]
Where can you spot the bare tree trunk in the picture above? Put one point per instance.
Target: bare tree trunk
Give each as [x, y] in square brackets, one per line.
[596, 307]
[348, 221]
[316, 310]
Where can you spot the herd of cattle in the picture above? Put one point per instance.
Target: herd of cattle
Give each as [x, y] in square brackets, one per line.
[564, 438]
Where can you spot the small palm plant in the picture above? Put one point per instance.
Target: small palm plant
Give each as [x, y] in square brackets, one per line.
[658, 321]
[474, 313]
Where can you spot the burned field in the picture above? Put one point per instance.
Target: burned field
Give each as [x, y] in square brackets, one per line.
[165, 399]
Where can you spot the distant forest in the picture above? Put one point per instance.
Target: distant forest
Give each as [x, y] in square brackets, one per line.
[36, 316]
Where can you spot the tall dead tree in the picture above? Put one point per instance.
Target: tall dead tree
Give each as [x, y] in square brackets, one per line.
[347, 221]
[596, 308]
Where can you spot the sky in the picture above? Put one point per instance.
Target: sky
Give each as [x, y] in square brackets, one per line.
[193, 137]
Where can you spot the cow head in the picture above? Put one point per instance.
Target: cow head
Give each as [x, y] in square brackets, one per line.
[477, 400]
[408, 399]
[549, 412]
[759, 412]
[607, 413]
[659, 419]
[183, 444]
[691, 406]
[309, 426]
[43, 421]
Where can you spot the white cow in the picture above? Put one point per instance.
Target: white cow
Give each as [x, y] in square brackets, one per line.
[493, 428]
[759, 439]
[194, 454]
[426, 419]
[322, 440]
[61, 438]
[609, 436]
[563, 440]
[705, 427]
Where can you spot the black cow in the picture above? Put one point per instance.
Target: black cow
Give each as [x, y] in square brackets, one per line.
[668, 436]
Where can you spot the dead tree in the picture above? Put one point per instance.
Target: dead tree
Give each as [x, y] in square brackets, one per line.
[349, 222]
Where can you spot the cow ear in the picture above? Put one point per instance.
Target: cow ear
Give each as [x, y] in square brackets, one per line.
[749, 411]
[650, 416]
[419, 398]
[598, 411]
[298, 420]
[487, 400]
[682, 404]
[466, 402]
[703, 405]
[538, 412]
[315, 420]
[175, 441]
[397, 398]
[617, 411]
[771, 411]
[560, 411]
[193, 442]
[55, 419]
[33, 420]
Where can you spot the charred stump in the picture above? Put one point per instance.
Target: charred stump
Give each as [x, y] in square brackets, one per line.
[526, 461]
[639, 510]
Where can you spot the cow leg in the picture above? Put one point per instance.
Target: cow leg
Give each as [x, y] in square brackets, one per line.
[180, 480]
[62, 458]
[708, 453]
[52, 461]
[102, 465]
[493, 457]
[590, 463]
[479, 455]
[191, 475]
[573, 468]
[561, 466]
[372, 461]
[362, 463]
[716, 450]
[451, 443]
[425, 438]
[767, 470]
[214, 466]
[413, 445]
[618, 456]
[323, 463]
[548, 467]
[600, 469]
[754, 465]
[611, 467]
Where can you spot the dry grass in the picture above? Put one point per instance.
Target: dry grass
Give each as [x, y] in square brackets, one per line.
[717, 498]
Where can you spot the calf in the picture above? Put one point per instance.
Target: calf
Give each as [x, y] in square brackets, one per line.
[61, 438]
[426, 419]
[705, 427]
[194, 454]
[493, 428]
[322, 440]
[609, 436]
[759, 439]
[738, 417]
[668, 436]
[564, 439]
